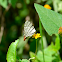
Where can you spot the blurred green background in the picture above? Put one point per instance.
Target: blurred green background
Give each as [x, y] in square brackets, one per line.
[13, 14]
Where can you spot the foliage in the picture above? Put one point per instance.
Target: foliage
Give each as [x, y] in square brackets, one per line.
[13, 3]
[51, 20]
[11, 54]
[50, 53]
[3, 3]
[13, 14]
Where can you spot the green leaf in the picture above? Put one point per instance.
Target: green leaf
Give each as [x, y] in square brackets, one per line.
[50, 53]
[3, 3]
[13, 3]
[56, 57]
[24, 60]
[57, 42]
[46, 56]
[55, 47]
[50, 49]
[32, 55]
[11, 54]
[20, 60]
[50, 20]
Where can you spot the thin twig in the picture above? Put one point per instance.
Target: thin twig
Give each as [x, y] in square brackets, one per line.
[36, 46]
[2, 27]
[3, 20]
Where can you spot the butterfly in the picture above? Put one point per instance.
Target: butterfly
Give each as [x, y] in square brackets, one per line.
[29, 29]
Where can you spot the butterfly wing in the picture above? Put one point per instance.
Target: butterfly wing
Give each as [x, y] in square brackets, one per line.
[29, 29]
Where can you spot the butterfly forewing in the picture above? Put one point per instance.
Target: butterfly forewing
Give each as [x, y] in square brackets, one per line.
[29, 29]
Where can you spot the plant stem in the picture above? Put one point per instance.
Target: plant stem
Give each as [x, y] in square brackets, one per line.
[36, 46]
[36, 50]
[40, 26]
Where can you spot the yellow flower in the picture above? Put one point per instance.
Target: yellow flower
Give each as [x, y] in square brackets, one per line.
[47, 6]
[36, 35]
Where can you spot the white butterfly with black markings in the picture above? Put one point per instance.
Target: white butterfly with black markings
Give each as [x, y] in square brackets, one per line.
[29, 29]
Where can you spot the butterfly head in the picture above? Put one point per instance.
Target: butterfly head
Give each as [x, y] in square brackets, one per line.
[24, 38]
